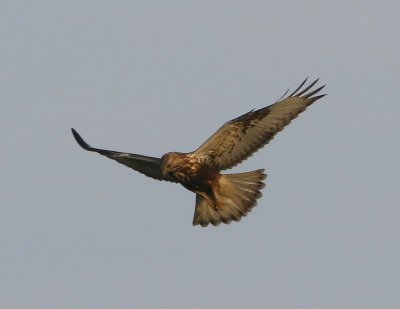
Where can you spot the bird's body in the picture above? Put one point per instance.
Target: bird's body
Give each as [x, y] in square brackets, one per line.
[221, 197]
[192, 173]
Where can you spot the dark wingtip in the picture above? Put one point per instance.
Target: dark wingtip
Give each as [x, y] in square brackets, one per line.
[303, 93]
[298, 88]
[317, 97]
[80, 140]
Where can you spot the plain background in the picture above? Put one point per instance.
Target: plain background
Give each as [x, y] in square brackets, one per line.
[80, 231]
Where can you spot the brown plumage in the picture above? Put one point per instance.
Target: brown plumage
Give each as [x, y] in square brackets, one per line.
[221, 197]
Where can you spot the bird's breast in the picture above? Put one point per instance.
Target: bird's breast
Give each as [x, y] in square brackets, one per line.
[196, 177]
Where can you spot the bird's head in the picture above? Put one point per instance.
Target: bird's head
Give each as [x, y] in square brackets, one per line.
[170, 162]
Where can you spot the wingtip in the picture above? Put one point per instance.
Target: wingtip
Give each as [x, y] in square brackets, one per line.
[74, 132]
[303, 93]
[294, 93]
[80, 140]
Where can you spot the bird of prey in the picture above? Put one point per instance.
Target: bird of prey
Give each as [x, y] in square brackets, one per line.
[222, 197]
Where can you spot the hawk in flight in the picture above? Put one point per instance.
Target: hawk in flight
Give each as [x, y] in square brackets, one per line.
[221, 197]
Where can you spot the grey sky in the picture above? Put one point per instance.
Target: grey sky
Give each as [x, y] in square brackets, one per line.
[80, 231]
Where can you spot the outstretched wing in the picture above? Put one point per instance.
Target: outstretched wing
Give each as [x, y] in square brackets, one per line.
[148, 166]
[239, 138]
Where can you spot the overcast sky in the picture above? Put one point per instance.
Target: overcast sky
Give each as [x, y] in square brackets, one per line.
[78, 230]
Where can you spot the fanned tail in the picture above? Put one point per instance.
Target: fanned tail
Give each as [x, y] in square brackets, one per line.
[236, 195]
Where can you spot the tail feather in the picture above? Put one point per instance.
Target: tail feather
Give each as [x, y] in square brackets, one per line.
[236, 195]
